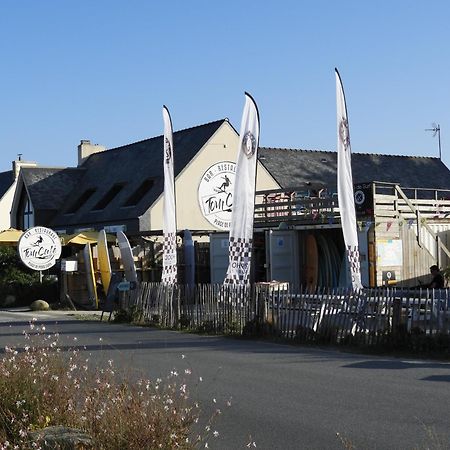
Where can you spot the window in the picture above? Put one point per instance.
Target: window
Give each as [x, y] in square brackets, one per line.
[25, 213]
[136, 196]
[82, 199]
[108, 197]
[28, 215]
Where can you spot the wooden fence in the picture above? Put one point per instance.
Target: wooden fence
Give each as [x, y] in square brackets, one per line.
[370, 317]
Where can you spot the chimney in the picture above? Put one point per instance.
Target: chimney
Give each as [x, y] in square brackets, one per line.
[86, 149]
[18, 163]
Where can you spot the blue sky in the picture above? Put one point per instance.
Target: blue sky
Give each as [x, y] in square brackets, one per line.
[101, 70]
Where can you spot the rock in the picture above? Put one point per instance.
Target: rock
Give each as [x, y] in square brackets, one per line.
[61, 438]
[40, 305]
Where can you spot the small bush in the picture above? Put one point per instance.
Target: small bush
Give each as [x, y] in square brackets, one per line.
[256, 328]
[208, 327]
[130, 315]
[184, 321]
[43, 387]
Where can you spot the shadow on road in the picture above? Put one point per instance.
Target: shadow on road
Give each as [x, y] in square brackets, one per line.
[397, 365]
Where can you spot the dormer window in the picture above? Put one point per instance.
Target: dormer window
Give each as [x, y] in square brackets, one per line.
[108, 197]
[82, 199]
[137, 195]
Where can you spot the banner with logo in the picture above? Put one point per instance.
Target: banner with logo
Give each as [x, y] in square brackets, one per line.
[241, 228]
[39, 248]
[169, 272]
[345, 187]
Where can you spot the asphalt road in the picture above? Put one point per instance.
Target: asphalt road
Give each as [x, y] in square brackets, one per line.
[282, 397]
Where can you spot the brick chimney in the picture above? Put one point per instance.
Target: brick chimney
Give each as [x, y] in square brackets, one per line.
[86, 149]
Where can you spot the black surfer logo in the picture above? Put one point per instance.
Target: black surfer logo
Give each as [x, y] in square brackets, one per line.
[344, 133]
[223, 187]
[38, 242]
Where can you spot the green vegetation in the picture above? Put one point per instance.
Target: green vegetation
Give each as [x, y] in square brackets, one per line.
[21, 283]
[43, 386]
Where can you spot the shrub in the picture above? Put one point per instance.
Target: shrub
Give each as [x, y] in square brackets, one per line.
[21, 282]
[256, 328]
[129, 315]
[43, 387]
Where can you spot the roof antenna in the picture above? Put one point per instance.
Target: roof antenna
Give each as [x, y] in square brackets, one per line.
[436, 129]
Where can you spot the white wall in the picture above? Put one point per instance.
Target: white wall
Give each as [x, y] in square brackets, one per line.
[221, 147]
[5, 207]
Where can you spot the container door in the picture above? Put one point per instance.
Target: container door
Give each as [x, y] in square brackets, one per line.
[218, 254]
[282, 256]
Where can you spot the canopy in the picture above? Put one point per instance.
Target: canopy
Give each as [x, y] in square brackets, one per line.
[84, 237]
[10, 236]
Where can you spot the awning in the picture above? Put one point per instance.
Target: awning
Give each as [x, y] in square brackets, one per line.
[10, 236]
[85, 237]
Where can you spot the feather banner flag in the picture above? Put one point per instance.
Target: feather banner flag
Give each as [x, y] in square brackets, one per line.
[345, 187]
[241, 228]
[169, 272]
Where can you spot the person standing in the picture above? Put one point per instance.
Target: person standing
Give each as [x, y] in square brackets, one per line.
[438, 280]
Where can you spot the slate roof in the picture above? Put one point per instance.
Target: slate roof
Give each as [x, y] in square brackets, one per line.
[6, 180]
[131, 165]
[298, 168]
[49, 187]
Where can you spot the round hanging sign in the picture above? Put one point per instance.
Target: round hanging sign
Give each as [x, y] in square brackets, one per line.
[39, 248]
[215, 194]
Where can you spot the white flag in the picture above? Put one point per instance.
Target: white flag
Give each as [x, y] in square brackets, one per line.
[241, 228]
[345, 187]
[169, 273]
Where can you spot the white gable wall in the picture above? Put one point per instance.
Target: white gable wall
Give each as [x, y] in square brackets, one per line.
[220, 148]
[5, 207]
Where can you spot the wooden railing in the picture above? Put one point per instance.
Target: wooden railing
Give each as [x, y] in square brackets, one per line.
[369, 317]
[299, 206]
[295, 206]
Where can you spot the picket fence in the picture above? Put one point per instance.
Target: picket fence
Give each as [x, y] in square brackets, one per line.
[327, 315]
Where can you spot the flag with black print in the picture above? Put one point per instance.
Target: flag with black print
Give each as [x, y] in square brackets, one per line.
[345, 187]
[241, 228]
[169, 272]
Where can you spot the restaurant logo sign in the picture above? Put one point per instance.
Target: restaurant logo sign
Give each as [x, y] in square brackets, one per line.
[39, 248]
[215, 194]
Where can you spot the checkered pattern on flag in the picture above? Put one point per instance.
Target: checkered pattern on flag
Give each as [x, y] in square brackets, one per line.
[354, 263]
[345, 187]
[241, 228]
[169, 272]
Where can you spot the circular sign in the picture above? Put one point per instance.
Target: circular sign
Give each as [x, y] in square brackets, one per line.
[360, 197]
[39, 248]
[215, 194]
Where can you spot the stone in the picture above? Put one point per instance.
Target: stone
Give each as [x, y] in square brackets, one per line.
[40, 305]
[61, 438]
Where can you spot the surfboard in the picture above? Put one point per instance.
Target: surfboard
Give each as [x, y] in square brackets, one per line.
[127, 257]
[90, 275]
[335, 261]
[103, 260]
[311, 263]
[326, 263]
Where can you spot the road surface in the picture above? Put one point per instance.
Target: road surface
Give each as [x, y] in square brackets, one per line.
[282, 397]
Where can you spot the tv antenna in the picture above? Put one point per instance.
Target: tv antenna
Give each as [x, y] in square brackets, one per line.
[436, 129]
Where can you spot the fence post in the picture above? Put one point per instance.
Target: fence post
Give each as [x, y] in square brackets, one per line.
[396, 314]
